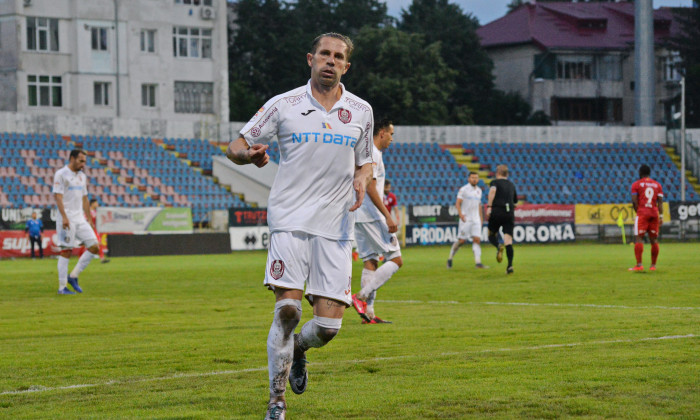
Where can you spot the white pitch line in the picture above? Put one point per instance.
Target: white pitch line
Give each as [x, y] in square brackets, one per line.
[571, 305]
[39, 388]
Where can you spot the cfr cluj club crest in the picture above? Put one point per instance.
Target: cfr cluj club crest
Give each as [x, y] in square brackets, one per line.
[277, 269]
[344, 116]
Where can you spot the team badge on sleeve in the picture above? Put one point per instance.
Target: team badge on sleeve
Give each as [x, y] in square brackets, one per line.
[255, 131]
[344, 116]
[277, 269]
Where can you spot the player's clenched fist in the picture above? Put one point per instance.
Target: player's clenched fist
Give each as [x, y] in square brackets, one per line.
[258, 156]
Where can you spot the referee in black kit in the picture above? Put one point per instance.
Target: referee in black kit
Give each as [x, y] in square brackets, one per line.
[501, 213]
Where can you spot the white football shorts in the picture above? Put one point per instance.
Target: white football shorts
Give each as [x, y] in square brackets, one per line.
[373, 239]
[79, 232]
[468, 230]
[301, 261]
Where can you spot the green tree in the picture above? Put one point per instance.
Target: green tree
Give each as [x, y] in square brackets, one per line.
[402, 76]
[501, 108]
[262, 62]
[538, 118]
[688, 45]
[514, 4]
[266, 60]
[446, 23]
[344, 16]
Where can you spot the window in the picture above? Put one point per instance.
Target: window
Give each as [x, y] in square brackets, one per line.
[610, 68]
[602, 110]
[99, 39]
[148, 95]
[42, 34]
[575, 67]
[102, 93]
[671, 63]
[194, 97]
[194, 2]
[191, 42]
[44, 91]
[148, 40]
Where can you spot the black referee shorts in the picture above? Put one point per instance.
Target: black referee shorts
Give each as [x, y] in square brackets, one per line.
[500, 218]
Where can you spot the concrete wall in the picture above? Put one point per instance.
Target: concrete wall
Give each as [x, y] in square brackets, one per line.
[538, 134]
[70, 124]
[253, 182]
[206, 128]
[9, 56]
[693, 135]
[628, 89]
[513, 66]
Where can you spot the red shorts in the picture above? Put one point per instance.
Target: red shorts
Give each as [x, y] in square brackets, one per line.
[647, 223]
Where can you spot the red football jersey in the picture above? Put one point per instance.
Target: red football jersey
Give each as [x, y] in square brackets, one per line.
[647, 191]
[390, 201]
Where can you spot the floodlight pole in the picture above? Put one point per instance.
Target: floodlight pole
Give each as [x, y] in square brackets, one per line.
[682, 138]
[644, 63]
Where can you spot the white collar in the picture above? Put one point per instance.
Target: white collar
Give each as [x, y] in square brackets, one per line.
[314, 102]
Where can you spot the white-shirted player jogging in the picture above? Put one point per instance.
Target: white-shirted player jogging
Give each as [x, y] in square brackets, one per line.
[73, 224]
[375, 231]
[471, 219]
[324, 135]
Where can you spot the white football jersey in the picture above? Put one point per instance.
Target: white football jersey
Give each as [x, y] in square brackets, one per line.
[73, 186]
[319, 151]
[471, 200]
[368, 212]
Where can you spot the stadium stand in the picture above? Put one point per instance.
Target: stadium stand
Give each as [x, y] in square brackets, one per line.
[420, 173]
[197, 151]
[126, 172]
[132, 172]
[559, 173]
[588, 173]
[423, 173]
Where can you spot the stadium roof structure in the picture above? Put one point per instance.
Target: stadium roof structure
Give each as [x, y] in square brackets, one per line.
[585, 26]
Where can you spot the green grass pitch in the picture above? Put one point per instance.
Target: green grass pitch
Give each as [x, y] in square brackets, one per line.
[571, 334]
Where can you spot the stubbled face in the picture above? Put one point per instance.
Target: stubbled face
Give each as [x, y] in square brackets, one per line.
[386, 136]
[474, 179]
[78, 163]
[329, 62]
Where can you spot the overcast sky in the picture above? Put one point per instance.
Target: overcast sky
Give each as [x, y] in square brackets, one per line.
[489, 10]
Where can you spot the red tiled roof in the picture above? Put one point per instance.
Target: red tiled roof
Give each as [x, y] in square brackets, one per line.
[574, 26]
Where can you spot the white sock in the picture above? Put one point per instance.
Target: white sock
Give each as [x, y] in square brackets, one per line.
[280, 348]
[311, 334]
[477, 252]
[62, 272]
[367, 276]
[381, 276]
[455, 247]
[82, 263]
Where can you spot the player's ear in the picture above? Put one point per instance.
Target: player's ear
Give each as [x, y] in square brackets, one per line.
[347, 66]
